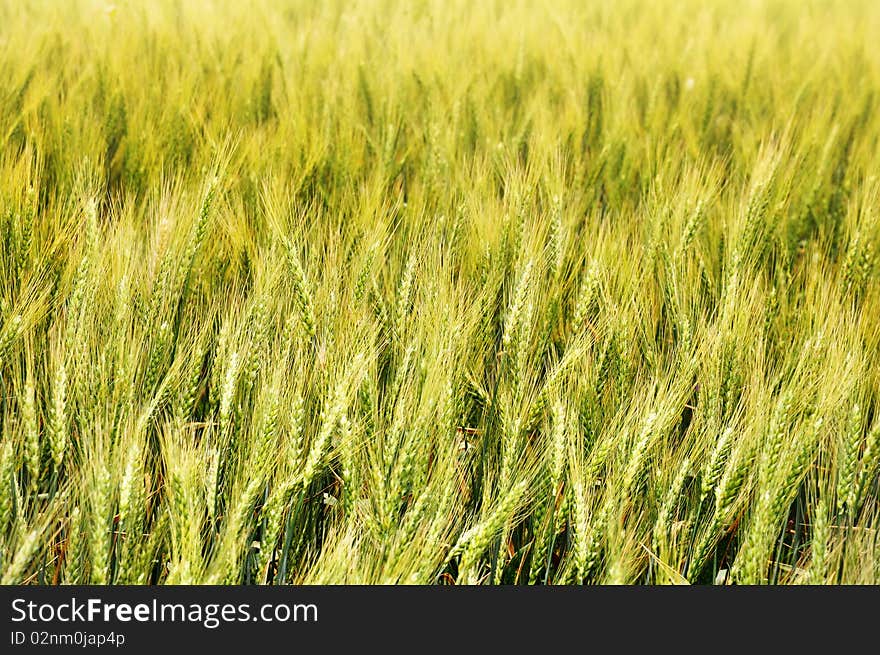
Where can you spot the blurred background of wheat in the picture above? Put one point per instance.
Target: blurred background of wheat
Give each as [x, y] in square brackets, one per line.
[439, 292]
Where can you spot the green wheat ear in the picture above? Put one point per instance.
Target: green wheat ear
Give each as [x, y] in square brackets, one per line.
[7, 479]
[517, 308]
[33, 446]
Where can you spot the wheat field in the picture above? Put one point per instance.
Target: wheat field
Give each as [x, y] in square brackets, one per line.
[520, 292]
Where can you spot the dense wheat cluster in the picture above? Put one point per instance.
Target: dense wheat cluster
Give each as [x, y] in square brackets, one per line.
[439, 292]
